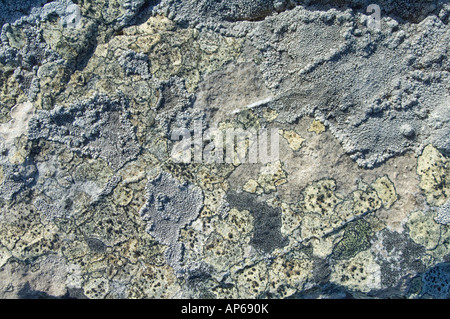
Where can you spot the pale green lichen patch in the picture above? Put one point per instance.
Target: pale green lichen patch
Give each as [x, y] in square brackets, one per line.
[321, 198]
[434, 171]
[287, 275]
[360, 273]
[252, 280]
[365, 201]
[237, 226]
[290, 219]
[324, 210]
[184, 52]
[386, 191]
[270, 177]
[316, 127]
[294, 140]
[149, 281]
[251, 186]
[423, 229]
[221, 252]
[92, 202]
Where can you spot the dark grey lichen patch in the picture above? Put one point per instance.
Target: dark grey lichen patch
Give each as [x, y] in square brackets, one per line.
[356, 239]
[98, 127]
[436, 282]
[398, 256]
[267, 221]
[96, 245]
[171, 205]
[16, 178]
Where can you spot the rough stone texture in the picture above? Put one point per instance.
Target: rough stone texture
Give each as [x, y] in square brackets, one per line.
[170, 207]
[93, 205]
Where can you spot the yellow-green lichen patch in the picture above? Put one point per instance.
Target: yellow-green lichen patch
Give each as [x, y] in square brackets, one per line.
[323, 247]
[37, 240]
[96, 288]
[365, 201]
[316, 127]
[225, 292]
[237, 226]
[423, 229]
[320, 198]
[142, 249]
[318, 206]
[184, 52]
[443, 247]
[270, 115]
[16, 37]
[221, 253]
[313, 225]
[248, 119]
[110, 224]
[10, 93]
[434, 171]
[252, 281]
[97, 171]
[152, 282]
[290, 219]
[286, 276]
[294, 140]
[194, 237]
[271, 176]
[100, 10]
[360, 273]
[344, 210]
[70, 43]
[252, 186]
[385, 190]
[122, 195]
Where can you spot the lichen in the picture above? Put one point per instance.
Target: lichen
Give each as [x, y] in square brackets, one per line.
[356, 239]
[294, 140]
[170, 206]
[316, 127]
[386, 191]
[360, 273]
[423, 229]
[92, 205]
[433, 169]
[252, 281]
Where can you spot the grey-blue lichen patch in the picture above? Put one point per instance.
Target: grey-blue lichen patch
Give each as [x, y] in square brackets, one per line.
[98, 127]
[135, 63]
[16, 178]
[170, 206]
[436, 282]
[443, 216]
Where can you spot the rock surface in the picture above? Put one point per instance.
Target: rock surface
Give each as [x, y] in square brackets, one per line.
[96, 97]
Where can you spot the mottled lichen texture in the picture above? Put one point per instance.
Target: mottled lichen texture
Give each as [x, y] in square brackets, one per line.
[355, 205]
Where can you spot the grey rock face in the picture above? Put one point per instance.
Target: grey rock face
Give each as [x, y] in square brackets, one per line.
[94, 94]
[98, 127]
